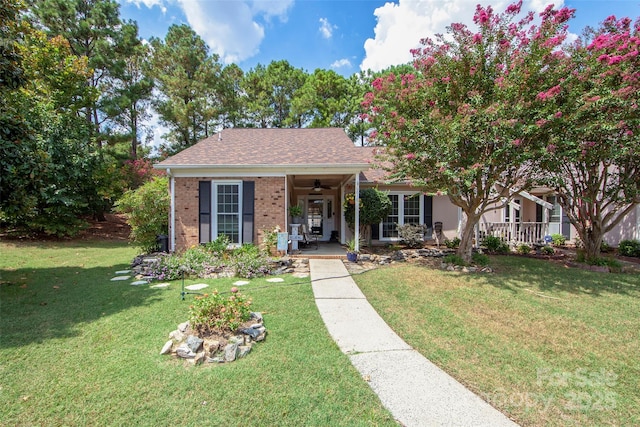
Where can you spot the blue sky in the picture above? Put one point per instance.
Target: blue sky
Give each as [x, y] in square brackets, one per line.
[345, 36]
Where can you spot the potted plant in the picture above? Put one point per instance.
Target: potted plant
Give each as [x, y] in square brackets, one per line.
[296, 214]
[352, 253]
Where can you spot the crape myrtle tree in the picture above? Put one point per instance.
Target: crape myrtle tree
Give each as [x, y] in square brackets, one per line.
[462, 122]
[591, 123]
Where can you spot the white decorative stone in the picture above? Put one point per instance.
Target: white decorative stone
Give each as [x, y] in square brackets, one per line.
[160, 286]
[275, 280]
[123, 272]
[241, 283]
[166, 349]
[120, 278]
[197, 286]
[139, 282]
[300, 275]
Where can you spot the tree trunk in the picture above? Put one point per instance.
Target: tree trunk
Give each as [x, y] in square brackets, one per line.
[465, 249]
[592, 240]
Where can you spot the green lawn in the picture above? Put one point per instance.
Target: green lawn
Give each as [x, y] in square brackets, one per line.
[78, 349]
[546, 344]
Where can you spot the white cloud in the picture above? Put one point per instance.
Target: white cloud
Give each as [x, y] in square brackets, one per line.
[401, 26]
[229, 27]
[150, 3]
[341, 63]
[326, 29]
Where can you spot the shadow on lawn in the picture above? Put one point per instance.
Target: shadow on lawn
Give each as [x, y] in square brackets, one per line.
[48, 303]
[516, 273]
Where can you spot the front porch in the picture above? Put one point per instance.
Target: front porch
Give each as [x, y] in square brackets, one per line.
[514, 232]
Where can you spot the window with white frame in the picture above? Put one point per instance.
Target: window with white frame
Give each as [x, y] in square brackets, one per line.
[227, 210]
[406, 208]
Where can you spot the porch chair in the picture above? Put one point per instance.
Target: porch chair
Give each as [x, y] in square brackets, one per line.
[308, 238]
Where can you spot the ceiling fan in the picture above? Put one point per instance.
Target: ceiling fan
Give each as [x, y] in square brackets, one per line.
[317, 186]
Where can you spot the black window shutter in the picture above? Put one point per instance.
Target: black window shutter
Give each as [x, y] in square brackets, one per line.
[204, 211]
[428, 216]
[248, 194]
[375, 232]
[566, 225]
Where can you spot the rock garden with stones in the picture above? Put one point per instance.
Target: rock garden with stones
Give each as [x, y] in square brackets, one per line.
[221, 329]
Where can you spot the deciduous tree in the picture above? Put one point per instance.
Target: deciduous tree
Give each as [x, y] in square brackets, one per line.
[461, 123]
[591, 125]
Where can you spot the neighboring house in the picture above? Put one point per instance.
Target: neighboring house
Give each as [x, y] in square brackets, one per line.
[241, 182]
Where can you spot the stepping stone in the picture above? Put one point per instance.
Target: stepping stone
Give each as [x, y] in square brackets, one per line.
[275, 280]
[160, 286]
[120, 278]
[301, 275]
[139, 282]
[122, 272]
[241, 283]
[196, 287]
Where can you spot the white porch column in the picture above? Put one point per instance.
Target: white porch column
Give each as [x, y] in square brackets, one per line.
[172, 213]
[357, 217]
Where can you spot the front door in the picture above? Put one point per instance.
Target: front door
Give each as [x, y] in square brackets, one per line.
[320, 216]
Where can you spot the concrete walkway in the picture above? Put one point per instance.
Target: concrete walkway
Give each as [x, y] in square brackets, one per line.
[414, 390]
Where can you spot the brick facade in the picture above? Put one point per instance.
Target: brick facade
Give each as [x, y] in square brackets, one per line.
[269, 207]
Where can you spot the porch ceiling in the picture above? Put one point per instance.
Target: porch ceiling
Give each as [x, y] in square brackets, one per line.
[308, 181]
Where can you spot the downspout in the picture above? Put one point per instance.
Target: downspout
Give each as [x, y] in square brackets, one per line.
[357, 218]
[172, 212]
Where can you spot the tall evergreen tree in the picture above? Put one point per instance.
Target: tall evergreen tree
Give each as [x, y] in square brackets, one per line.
[186, 77]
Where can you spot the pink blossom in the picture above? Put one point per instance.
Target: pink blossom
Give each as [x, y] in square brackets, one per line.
[514, 8]
[477, 38]
[541, 123]
[551, 148]
[446, 79]
[442, 169]
[628, 133]
[517, 142]
[234, 290]
[410, 156]
[558, 114]
[615, 60]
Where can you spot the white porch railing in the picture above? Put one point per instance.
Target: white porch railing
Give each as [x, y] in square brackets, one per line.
[514, 232]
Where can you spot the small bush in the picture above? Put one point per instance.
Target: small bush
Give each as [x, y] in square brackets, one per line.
[453, 243]
[605, 247]
[412, 235]
[629, 248]
[524, 249]
[147, 212]
[195, 262]
[495, 245]
[454, 259]
[270, 238]
[218, 246]
[547, 250]
[480, 259]
[216, 313]
[250, 262]
[558, 239]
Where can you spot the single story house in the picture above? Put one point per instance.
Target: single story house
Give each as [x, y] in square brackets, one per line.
[241, 182]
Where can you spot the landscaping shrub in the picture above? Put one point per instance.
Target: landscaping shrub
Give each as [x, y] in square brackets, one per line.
[218, 246]
[454, 259]
[147, 212]
[605, 247]
[217, 313]
[412, 235]
[479, 259]
[524, 249]
[629, 248]
[547, 250]
[453, 243]
[495, 245]
[558, 239]
[196, 261]
[249, 261]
